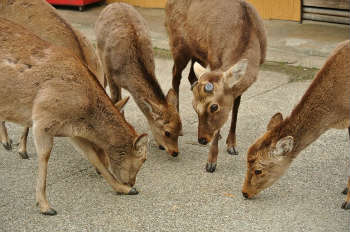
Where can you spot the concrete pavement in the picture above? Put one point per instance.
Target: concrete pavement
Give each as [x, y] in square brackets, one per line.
[177, 194]
[307, 44]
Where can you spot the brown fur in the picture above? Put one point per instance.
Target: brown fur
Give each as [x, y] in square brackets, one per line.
[42, 19]
[217, 34]
[126, 52]
[325, 105]
[48, 88]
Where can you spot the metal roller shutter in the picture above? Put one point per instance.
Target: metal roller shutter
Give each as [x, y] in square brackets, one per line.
[334, 11]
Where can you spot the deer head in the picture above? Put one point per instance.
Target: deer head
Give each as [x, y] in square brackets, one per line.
[165, 123]
[125, 162]
[267, 159]
[213, 97]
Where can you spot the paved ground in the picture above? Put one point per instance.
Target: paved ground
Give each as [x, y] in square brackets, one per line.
[306, 44]
[177, 194]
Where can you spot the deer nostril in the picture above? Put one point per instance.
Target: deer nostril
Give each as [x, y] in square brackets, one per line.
[245, 195]
[175, 154]
[202, 141]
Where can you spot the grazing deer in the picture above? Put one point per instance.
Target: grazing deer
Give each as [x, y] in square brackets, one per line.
[126, 53]
[48, 88]
[325, 105]
[217, 34]
[42, 19]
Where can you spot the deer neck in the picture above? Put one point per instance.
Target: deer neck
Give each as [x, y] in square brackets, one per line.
[309, 119]
[108, 127]
[147, 88]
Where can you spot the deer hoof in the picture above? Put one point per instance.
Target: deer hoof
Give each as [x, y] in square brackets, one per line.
[232, 151]
[133, 191]
[24, 155]
[210, 167]
[98, 172]
[8, 145]
[50, 212]
[161, 148]
[345, 191]
[345, 205]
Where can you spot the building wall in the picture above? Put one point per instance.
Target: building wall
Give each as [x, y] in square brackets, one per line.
[278, 9]
[143, 3]
[268, 9]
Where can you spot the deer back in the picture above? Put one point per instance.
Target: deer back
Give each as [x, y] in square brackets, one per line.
[42, 19]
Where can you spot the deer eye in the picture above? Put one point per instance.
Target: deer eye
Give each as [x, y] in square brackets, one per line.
[214, 108]
[258, 172]
[167, 134]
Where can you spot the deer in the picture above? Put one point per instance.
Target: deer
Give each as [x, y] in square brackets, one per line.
[225, 36]
[126, 52]
[41, 18]
[48, 88]
[325, 105]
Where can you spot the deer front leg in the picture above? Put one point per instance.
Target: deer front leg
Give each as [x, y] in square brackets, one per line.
[43, 145]
[192, 78]
[103, 158]
[90, 152]
[116, 91]
[180, 62]
[346, 191]
[4, 137]
[231, 138]
[213, 153]
[22, 150]
[346, 204]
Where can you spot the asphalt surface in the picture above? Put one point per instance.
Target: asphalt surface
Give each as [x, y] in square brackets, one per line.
[177, 194]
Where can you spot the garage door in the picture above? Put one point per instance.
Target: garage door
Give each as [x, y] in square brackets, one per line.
[334, 11]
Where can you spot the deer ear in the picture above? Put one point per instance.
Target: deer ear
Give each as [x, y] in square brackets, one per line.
[274, 121]
[235, 73]
[171, 97]
[121, 104]
[283, 146]
[199, 70]
[140, 141]
[153, 108]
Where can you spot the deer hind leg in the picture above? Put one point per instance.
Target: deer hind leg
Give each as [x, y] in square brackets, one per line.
[43, 145]
[90, 152]
[6, 142]
[180, 62]
[213, 153]
[22, 150]
[231, 138]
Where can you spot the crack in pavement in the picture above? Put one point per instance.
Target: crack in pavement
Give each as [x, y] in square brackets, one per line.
[71, 175]
[265, 92]
[51, 184]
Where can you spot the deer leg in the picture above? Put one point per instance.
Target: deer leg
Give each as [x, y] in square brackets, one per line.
[192, 78]
[180, 62]
[91, 153]
[346, 191]
[346, 204]
[116, 91]
[231, 138]
[22, 150]
[4, 137]
[213, 153]
[103, 158]
[43, 145]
